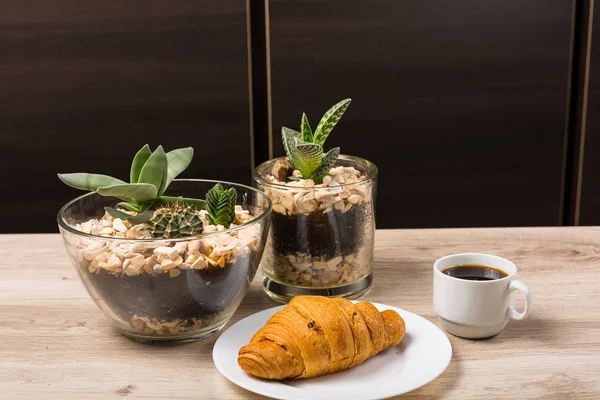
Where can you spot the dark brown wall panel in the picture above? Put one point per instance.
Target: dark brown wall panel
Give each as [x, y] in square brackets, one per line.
[590, 175]
[461, 104]
[84, 84]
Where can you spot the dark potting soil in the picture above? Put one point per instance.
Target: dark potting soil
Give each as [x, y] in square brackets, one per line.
[191, 294]
[321, 234]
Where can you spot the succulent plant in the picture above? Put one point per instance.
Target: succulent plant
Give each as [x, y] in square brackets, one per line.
[305, 148]
[151, 173]
[175, 220]
[220, 204]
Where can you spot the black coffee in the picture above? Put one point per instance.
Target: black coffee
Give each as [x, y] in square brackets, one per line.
[475, 272]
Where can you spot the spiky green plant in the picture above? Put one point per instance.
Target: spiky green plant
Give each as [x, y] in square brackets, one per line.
[176, 220]
[305, 148]
[151, 173]
[220, 204]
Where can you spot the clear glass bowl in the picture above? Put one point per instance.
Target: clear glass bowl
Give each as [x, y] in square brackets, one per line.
[146, 303]
[321, 238]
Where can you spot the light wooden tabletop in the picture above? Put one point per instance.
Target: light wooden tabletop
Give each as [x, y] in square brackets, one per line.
[55, 343]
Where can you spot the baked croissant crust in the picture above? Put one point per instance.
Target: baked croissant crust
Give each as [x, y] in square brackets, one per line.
[316, 335]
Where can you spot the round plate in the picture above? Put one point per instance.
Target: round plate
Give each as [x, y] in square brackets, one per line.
[422, 356]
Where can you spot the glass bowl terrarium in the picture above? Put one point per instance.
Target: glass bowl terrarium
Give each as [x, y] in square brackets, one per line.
[322, 231]
[178, 266]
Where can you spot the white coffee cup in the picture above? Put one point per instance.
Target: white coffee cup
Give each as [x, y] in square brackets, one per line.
[477, 309]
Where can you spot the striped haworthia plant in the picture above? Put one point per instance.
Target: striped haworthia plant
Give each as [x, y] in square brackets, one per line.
[305, 148]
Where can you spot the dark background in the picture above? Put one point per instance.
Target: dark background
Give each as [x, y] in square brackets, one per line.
[477, 113]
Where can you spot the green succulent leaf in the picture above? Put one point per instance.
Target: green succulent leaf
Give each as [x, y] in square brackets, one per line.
[177, 160]
[308, 158]
[141, 217]
[295, 159]
[137, 191]
[130, 206]
[138, 162]
[154, 171]
[220, 204]
[134, 219]
[289, 137]
[163, 200]
[329, 120]
[150, 174]
[116, 213]
[305, 129]
[84, 181]
[328, 162]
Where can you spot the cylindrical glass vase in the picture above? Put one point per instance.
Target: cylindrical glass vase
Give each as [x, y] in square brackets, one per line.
[322, 237]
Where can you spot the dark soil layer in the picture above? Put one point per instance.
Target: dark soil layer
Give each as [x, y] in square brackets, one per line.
[192, 294]
[331, 234]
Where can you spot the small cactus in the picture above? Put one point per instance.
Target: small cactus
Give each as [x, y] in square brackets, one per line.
[176, 220]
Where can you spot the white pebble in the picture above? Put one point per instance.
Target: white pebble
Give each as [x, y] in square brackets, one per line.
[166, 252]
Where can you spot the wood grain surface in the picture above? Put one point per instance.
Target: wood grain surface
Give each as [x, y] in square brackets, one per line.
[462, 104]
[84, 84]
[55, 343]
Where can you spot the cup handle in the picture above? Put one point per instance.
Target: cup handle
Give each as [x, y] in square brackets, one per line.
[521, 287]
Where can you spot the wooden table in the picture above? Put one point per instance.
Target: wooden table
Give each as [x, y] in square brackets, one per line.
[55, 343]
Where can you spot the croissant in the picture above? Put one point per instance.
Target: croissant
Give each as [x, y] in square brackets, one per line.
[315, 336]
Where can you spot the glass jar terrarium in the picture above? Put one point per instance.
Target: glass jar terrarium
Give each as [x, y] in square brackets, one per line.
[322, 236]
[166, 290]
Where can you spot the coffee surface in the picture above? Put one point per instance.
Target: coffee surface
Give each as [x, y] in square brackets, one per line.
[475, 272]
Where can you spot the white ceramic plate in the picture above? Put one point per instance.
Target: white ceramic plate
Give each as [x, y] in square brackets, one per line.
[422, 356]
